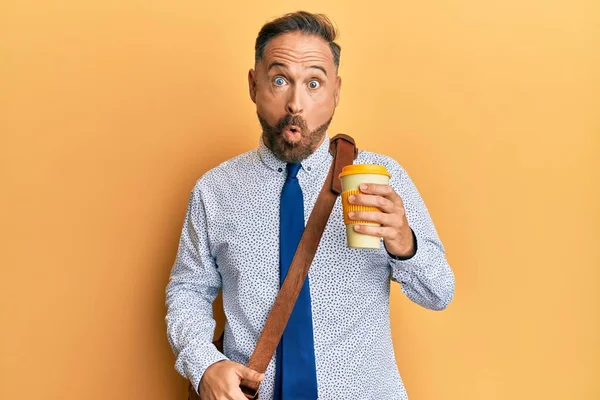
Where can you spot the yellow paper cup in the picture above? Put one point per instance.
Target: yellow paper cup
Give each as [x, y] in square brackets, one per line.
[352, 177]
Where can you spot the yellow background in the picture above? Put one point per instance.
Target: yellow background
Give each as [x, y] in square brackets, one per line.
[110, 110]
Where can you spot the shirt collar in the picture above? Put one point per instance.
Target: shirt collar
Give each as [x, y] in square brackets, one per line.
[320, 157]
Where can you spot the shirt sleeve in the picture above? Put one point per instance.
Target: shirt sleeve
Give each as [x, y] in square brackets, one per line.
[426, 277]
[193, 285]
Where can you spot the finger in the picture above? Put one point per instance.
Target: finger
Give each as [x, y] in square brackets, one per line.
[381, 190]
[235, 393]
[250, 391]
[249, 374]
[378, 231]
[373, 216]
[382, 203]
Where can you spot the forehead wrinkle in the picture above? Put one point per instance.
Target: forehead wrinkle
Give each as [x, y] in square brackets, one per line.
[292, 61]
[308, 46]
[287, 58]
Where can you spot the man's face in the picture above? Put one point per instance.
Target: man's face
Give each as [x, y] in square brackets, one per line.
[296, 90]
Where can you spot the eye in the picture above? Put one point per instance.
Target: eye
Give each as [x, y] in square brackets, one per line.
[314, 84]
[279, 81]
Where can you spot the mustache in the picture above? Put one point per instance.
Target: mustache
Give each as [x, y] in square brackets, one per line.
[290, 119]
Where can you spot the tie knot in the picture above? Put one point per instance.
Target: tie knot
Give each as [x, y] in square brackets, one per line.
[292, 169]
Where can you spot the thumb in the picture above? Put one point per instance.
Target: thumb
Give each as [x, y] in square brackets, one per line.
[249, 374]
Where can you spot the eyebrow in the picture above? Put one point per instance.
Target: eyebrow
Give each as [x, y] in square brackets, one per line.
[280, 64]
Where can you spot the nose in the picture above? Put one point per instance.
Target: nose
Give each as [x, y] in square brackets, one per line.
[294, 103]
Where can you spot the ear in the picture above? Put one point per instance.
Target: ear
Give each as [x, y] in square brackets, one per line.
[338, 88]
[252, 85]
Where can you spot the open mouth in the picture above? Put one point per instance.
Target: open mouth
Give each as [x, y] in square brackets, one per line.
[292, 133]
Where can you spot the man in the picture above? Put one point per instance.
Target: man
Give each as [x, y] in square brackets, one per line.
[338, 343]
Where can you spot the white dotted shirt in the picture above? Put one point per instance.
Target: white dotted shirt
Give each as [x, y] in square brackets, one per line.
[230, 241]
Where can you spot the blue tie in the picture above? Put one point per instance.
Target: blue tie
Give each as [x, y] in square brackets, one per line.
[295, 373]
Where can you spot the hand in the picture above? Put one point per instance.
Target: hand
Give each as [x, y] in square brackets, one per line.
[222, 381]
[395, 231]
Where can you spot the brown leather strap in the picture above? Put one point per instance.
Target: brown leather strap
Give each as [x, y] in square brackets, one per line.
[340, 162]
[344, 151]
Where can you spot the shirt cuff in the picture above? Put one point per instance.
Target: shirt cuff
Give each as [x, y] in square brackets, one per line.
[193, 366]
[403, 269]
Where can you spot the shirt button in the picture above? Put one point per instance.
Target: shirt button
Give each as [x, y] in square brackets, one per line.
[308, 168]
[280, 169]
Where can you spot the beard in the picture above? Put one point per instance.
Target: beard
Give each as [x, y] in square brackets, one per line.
[285, 150]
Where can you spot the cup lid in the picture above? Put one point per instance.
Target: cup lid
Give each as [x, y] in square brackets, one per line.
[364, 169]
